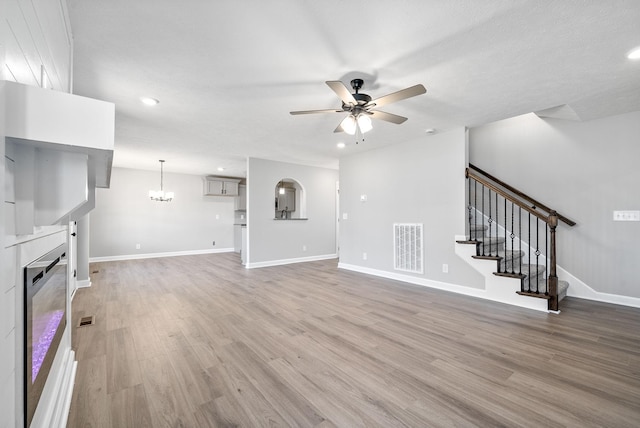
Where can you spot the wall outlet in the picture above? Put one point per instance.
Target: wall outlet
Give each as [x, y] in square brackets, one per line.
[363, 198]
[214, 243]
[137, 246]
[217, 216]
[345, 216]
[626, 216]
[445, 268]
[364, 256]
[304, 248]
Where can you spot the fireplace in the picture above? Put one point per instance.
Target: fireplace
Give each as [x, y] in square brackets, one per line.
[45, 309]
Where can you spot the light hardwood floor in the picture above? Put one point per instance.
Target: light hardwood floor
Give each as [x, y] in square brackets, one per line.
[198, 341]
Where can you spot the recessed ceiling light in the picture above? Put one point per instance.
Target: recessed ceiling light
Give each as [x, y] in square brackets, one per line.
[220, 169]
[430, 131]
[149, 101]
[341, 145]
[634, 53]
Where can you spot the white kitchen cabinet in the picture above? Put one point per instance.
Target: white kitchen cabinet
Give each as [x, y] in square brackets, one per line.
[218, 186]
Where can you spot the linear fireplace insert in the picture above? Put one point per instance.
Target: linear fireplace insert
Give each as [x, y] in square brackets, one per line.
[45, 298]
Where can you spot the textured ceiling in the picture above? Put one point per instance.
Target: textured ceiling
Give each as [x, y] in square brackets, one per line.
[228, 72]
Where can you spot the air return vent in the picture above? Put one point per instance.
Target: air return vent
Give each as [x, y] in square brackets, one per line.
[407, 248]
[85, 321]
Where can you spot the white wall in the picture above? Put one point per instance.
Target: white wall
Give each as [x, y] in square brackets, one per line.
[33, 35]
[584, 170]
[7, 291]
[281, 241]
[421, 181]
[125, 216]
[36, 36]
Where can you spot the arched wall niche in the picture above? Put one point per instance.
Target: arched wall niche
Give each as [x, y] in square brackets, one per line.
[290, 199]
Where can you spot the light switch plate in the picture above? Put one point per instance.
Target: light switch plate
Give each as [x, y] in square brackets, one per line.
[626, 216]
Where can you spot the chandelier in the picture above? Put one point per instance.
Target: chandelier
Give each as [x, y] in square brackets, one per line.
[161, 195]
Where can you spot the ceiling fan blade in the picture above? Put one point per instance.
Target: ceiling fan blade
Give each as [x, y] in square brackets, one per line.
[397, 96]
[329, 110]
[388, 117]
[338, 128]
[342, 91]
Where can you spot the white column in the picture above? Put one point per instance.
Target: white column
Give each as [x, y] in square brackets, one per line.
[83, 279]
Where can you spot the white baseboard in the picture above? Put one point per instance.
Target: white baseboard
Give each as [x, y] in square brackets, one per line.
[155, 255]
[290, 261]
[579, 289]
[85, 283]
[470, 291]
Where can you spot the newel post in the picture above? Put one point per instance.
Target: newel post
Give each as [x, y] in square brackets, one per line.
[552, 281]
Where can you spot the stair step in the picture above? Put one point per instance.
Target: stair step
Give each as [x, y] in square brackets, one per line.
[562, 291]
[527, 271]
[542, 287]
[538, 295]
[563, 286]
[509, 255]
[510, 275]
[477, 230]
[532, 270]
[478, 226]
[491, 240]
[496, 258]
[510, 260]
[490, 246]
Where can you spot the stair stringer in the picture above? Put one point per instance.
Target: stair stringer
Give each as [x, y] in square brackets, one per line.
[497, 288]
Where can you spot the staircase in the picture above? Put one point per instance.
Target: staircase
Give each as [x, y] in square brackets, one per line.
[514, 235]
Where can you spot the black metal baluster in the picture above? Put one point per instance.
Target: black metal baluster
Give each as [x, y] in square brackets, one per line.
[512, 236]
[497, 220]
[469, 206]
[505, 237]
[529, 275]
[475, 214]
[490, 221]
[483, 239]
[519, 239]
[537, 252]
[546, 257]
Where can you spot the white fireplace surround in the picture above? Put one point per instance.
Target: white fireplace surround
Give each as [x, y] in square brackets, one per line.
[53, 408]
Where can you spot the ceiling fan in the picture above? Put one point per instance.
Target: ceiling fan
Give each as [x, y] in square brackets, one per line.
[360, 106]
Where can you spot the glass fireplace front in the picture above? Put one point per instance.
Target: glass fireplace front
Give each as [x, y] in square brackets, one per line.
[45, 291]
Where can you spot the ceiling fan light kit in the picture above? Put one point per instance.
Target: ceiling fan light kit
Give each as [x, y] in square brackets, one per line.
[360, 106]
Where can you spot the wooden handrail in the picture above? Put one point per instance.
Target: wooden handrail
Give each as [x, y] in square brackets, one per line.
[505, 195]
[518, 193]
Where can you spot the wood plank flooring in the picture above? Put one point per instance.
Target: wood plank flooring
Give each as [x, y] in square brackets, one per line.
[198, 341]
